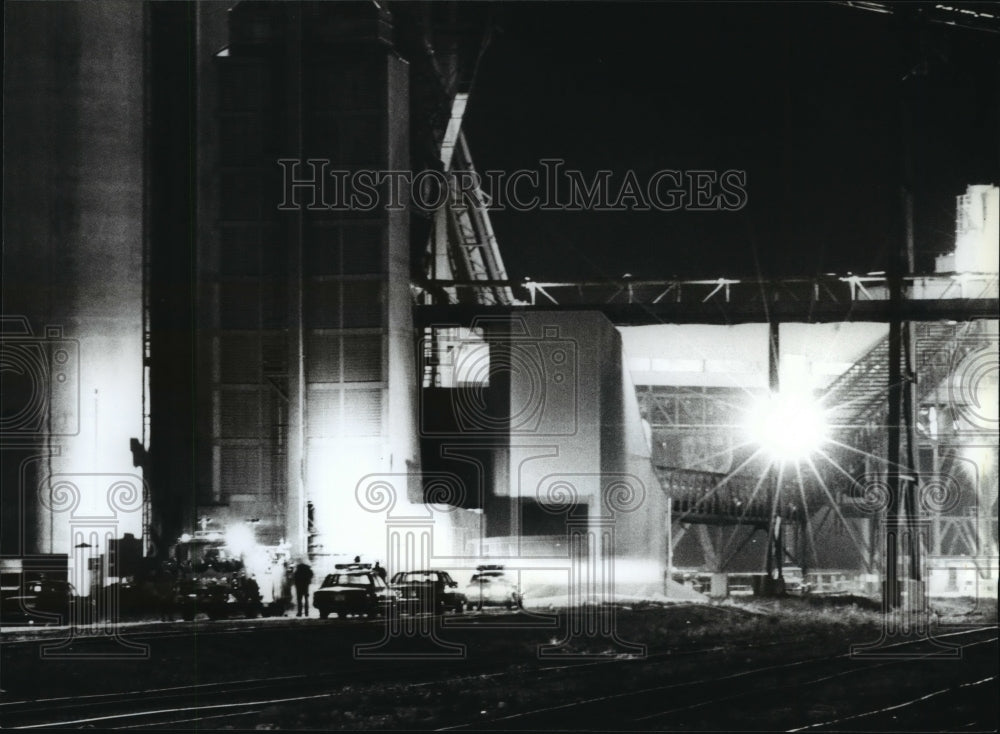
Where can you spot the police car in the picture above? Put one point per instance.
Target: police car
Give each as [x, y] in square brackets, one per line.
[353, 588]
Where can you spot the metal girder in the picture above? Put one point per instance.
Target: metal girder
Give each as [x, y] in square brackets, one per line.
[831, 298]
[710, 498]
[635, 314]
[830, 288]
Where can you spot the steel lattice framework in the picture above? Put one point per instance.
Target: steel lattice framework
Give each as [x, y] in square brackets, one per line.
[628, 302]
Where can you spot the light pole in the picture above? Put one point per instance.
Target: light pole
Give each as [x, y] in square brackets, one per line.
[788, 426]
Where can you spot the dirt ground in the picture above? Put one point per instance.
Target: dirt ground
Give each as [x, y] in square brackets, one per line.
[701, 640]
[748, 664]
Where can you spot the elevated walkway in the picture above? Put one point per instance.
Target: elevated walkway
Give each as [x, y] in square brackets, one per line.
[633, 302]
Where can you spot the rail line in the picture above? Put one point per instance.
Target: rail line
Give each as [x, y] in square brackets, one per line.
[151, 704]
[796, 684]
[145, 707]
[896, 707]
[161, 706]
[236, 699]
[242, 709]
[537, 718]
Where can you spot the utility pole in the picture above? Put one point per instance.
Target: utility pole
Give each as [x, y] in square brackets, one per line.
[775, 532]
[914, 68]
[901, 511]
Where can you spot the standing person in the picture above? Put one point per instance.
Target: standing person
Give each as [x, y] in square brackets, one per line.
[303, 577]
[379, 571]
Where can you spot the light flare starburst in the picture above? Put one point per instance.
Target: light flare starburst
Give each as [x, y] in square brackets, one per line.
[788, 426]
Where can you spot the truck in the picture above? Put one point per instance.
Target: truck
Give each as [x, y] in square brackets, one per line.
[221, 578]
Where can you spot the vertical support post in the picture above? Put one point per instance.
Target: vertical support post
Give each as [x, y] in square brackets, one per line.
[803, 532]
[779, 544]
[916, 549]
[670, 545]
[774, 356]
[901, 500]
[775, 547]
[894, 511]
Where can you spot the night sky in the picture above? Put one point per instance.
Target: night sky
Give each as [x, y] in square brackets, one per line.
[804, 98]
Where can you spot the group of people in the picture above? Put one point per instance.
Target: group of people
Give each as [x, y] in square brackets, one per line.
[302, 578]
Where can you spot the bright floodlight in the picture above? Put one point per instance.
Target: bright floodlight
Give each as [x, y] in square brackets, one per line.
[239, 539]
[788, 426]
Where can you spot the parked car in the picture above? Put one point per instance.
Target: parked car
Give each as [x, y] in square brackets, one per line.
[40, 601]
[428, 591]
[491, 586]
[353, 591]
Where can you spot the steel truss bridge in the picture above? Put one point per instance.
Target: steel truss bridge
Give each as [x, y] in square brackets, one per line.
[627, 302]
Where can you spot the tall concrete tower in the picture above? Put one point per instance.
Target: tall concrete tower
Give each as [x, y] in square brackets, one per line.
[74, 224]
[306, 343]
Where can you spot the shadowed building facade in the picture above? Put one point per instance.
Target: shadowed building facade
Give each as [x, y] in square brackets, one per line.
[305, 328]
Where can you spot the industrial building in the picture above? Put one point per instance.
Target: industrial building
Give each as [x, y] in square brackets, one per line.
[370, 381]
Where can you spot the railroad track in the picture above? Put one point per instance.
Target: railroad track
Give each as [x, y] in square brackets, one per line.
[643, 708]
[237, 702]
[151, 631]
[234, 700]
[225, 699]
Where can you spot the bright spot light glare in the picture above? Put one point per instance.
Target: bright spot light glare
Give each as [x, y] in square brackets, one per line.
[788, 426]
[239, 539]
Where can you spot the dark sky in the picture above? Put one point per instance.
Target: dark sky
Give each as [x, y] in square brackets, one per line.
[804, 98]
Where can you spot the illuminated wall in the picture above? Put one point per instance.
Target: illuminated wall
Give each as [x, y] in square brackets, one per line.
[576, 436]
[73, 234]
[311, 340]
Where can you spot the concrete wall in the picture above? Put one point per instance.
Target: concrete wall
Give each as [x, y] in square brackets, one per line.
[577, 440]
[73, 232]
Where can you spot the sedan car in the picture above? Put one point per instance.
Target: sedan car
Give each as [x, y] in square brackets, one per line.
[490, 586]
[428, 591]
[352, 591]
[40, 601]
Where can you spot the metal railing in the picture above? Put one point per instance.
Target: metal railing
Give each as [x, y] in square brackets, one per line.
[830, 288]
